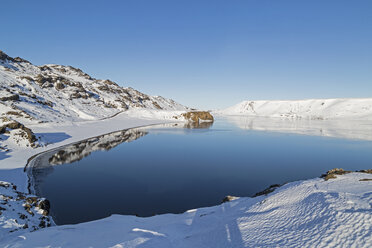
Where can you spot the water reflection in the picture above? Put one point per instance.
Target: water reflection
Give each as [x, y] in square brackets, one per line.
[199, 125]
[76, 152]
[43, 165]
[346, 129]
[181, 166]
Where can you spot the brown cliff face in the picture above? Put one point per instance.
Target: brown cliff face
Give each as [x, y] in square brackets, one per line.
[196, 116]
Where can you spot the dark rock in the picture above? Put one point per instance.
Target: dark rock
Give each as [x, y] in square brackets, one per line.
[229, 198]
[268, 190]
[29, 135]
[44, 205]
[14, 97]
[32, 200]
[332, 173]
[19, 60]
[42, 224]
[4, 56]
[22, 216]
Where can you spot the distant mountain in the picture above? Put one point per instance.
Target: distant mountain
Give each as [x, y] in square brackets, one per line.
[352, 108]
[57, 93]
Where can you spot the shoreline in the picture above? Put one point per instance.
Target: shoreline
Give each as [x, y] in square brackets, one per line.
[159, 221]
[31, 160]
[309, 206]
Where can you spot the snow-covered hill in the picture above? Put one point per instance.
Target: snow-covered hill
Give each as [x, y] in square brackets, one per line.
[31, 94]
[309, 109]
[59, 93]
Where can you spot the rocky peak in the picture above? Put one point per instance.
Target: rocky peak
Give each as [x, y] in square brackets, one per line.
[4, 56]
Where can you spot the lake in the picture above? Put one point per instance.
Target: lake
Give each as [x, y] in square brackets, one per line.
[172, 168]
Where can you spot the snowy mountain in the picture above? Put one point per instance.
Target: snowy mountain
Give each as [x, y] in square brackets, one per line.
[31, 94]
[57, 93]
[309, 109]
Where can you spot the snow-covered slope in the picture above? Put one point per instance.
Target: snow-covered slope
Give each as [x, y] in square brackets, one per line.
[56, 93]
[310, 109]
[311, 213]
[31, 95]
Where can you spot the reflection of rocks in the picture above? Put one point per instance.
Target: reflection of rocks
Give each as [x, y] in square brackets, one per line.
[82, 149]
[199, 125]
[198, 116]
[42, 165]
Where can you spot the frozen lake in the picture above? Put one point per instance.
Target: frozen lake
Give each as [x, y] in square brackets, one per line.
[171, 169]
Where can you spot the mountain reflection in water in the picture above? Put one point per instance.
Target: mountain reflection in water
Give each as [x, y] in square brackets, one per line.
[76, 152]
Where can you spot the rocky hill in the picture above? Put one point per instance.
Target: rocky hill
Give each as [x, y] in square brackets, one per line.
[60, 93]
[31, 94]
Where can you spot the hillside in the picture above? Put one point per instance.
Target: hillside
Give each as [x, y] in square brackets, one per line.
[309, 109]
[31, 95]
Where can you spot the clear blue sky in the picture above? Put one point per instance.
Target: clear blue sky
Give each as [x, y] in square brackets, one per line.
[207, 54]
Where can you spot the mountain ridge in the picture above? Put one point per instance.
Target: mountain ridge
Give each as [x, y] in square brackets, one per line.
[50, 93]
[61, 93]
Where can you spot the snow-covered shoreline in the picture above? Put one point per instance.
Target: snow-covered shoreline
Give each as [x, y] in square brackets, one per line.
[309, 213]
[231, 224]
[342, 108]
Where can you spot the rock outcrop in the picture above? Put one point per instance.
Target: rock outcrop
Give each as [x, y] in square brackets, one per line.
[198, 116]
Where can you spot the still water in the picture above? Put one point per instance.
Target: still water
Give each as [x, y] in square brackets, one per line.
[171, 169]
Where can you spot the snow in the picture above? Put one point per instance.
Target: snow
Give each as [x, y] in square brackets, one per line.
[351, 108]
[64, 133]
[345, 129]
[311, 213]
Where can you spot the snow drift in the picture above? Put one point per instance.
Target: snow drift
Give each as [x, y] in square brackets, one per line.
[310, 109]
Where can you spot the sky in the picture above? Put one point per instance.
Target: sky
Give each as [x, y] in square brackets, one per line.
[204, 54]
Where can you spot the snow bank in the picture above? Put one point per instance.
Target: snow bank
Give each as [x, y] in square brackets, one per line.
[310, 109]
[311, 213]
[345, 129]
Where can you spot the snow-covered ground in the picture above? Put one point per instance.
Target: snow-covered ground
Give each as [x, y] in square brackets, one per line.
[345, 129]
[60, 105]
[311, 213]
[57, 134]
[352, 108]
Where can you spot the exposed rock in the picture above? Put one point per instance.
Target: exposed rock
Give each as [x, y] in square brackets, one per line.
[196, 116]
[44, 204]
[229, 198]
[14, 97]
[15, 113]
[365, 179]
[157, 105]
[4, 56]
[28, 134]
[60, 86]
[332, 173]
[18, 59]
[270, 189]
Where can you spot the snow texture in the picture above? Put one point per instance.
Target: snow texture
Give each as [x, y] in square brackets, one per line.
[311, 213]
[63, 105]
[309, 109]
